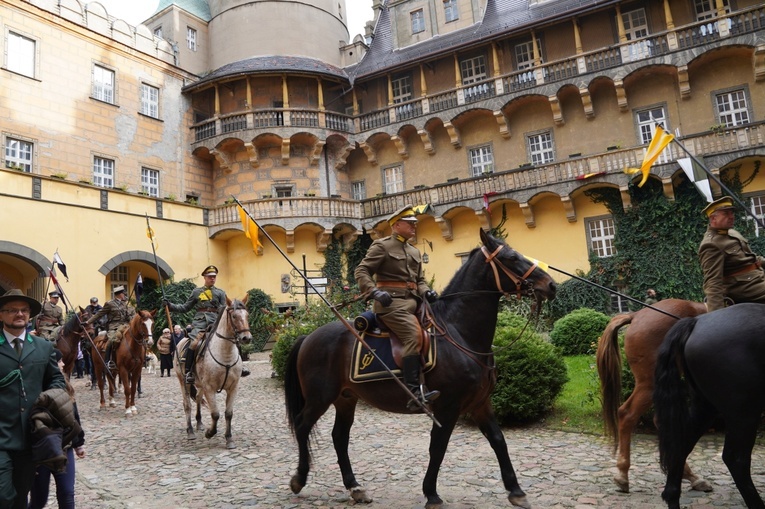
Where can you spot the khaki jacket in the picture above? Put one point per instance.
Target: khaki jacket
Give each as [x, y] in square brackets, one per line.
[117, 313]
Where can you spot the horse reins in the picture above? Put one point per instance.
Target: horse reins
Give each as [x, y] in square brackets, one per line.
[232, 339]
[521, 283]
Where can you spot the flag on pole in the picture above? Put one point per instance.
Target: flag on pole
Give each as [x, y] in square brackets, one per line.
[60, 263]
[138, 288]
[542, 265]
[250, 229]
[698, 176]
[486, 197]
[152, 237]
[421, 209]
[660, 140]
[590, 175]
[55, 283]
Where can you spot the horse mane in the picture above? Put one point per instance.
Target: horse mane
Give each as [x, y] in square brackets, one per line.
[71, 325]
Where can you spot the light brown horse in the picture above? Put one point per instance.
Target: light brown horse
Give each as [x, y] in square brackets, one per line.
[641, 344]
[218, 368]
[70, 335]
[131, 355]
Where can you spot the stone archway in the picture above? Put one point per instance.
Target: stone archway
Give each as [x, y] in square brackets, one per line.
[142, 256]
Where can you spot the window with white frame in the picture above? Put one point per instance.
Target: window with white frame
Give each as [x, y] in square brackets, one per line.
[618, 303]
[473, 69]
[524, 54]
[118, 277]
[706, 9]
[402, 89]
[150, 182]
[600, 233]
[284, 191]
[18, 154]
[451, 13]
[646, 121]
[635, 24]
[481, 160]
[732, 108]
[758, 211]
[103, 84]
[149, 100]
[158, 32]
[20, 53]
[358, 190]
[393, 179]
[418, 21]
[191, 38]
[540, 147]
[103, 172]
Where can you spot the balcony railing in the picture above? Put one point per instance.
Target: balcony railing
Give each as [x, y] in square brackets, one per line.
[283, 208]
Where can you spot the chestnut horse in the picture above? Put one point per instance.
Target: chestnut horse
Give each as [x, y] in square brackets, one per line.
[131, 355]
[70, 335]
[714, 361]
[641, 344]
[218, 368]
[318, 366]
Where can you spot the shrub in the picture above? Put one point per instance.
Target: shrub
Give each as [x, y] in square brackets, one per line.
[578, 331]
[304, 320]
[260, 312]
[530, 372]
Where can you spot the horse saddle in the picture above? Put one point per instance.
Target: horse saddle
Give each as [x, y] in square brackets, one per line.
[366, 367]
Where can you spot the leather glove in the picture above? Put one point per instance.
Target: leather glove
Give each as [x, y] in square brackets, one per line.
[431, 295]
[166, 303]
[382, 297]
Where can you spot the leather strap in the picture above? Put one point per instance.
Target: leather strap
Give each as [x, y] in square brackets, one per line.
[409, 285]
[748, 268]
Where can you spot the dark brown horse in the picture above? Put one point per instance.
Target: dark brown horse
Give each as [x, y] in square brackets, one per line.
[70, 335]
[101, 374]
[317, 372]
[131, 355]
[641, 344]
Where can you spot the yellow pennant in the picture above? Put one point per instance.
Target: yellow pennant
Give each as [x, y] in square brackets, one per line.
[660, 140]
[150, 235]
[250, 229]
[541, 265]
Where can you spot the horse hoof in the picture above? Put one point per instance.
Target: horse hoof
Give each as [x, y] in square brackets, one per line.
[208, 434]
[230, 444]
[191, 436]
[519, 501]
[701, 485]
[296, 484]
[359, 495]
[622, 484]
[112, 404]
[434, 502]
[134, 409]
[128, 413]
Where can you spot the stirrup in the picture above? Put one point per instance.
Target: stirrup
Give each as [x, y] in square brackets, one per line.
[111, 365]
[245, 372]
[190, 378]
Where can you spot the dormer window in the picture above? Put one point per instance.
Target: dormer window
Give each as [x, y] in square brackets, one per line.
[451, 13]
[418, 21]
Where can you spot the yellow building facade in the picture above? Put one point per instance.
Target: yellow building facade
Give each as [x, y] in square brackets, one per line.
[479, 108]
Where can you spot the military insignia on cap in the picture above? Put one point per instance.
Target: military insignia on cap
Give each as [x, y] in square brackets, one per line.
[724, 203]
[405, 213]
[211, 270]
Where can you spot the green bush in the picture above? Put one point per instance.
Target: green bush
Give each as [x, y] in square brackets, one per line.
[530, 372]
[260, 310]
[303, 321]
[577, 332]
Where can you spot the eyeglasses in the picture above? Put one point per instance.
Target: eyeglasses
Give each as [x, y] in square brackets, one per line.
[16, 311]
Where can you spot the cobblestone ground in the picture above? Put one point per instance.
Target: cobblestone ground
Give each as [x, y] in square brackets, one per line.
[147, 461]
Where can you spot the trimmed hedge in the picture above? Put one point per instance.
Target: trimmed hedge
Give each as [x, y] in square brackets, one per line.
[577, 333]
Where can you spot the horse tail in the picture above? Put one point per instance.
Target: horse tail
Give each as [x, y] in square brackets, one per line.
[609, 361]
[670, 395]
[293, 395]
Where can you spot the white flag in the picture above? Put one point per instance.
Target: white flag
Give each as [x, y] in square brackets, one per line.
[60, 263]
[698, 176]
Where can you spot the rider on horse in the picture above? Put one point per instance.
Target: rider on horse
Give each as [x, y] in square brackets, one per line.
[117, 313]
[398, 292]
[207, 300]
[52, 316]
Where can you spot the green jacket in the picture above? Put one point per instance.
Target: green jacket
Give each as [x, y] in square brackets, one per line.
[206, 301]
[38, 371]
[730, 269]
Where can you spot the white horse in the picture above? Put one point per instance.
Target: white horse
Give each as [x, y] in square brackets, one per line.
[218, 368]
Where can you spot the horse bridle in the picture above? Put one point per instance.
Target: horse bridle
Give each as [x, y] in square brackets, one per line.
[238, 333]
[522, 285]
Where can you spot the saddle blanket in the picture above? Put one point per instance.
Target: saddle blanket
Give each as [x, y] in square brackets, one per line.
[365, 367]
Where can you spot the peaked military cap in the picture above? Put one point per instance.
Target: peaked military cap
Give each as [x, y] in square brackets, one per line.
[54, 294]
[724, 203]
[211, 270]
[17, 294]
[405, 213]
[119, 289]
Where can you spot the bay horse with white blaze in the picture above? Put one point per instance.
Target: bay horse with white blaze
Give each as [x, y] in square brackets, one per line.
[647, 328]
[131, 355]
[218, 368]
[318, 366]
[718, 359]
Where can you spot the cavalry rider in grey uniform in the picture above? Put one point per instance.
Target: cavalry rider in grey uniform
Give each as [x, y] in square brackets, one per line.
[52, 316]
[399, 289]
[207, 300]
[731, 270]
[117, 313]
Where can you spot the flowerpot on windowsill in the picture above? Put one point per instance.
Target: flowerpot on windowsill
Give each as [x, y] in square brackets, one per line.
[453, 179]
[420, 186]
[578, 154]
[525, 166]
[335, 196]
[613, 147]
[60, 176]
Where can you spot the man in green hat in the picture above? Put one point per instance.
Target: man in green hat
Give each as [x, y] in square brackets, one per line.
[399, 288]
[731, 270]
[29, 366]
[117, 313]
[207, 301]
[52, 316]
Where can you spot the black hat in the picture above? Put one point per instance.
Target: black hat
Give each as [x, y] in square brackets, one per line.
[17, 294]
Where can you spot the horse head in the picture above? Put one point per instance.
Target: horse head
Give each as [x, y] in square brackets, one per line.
[522, 276]
[238, 321]
[141, 326]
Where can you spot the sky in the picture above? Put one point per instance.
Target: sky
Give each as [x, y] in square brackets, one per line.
[135, 11]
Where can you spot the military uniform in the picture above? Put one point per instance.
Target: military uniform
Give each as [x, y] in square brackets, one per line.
[117, 312]
[52, 316]
[730, 269]
[206, 301]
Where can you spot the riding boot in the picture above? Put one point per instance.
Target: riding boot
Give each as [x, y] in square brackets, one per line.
[108, 357]
[245, 371]
[190, 358]
[411, 369]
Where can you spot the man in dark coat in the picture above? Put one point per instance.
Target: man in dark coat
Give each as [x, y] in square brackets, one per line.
[397, 291]
[731, 270]
[27, 367]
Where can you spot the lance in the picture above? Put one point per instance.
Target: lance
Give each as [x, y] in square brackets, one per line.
[340, 317]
